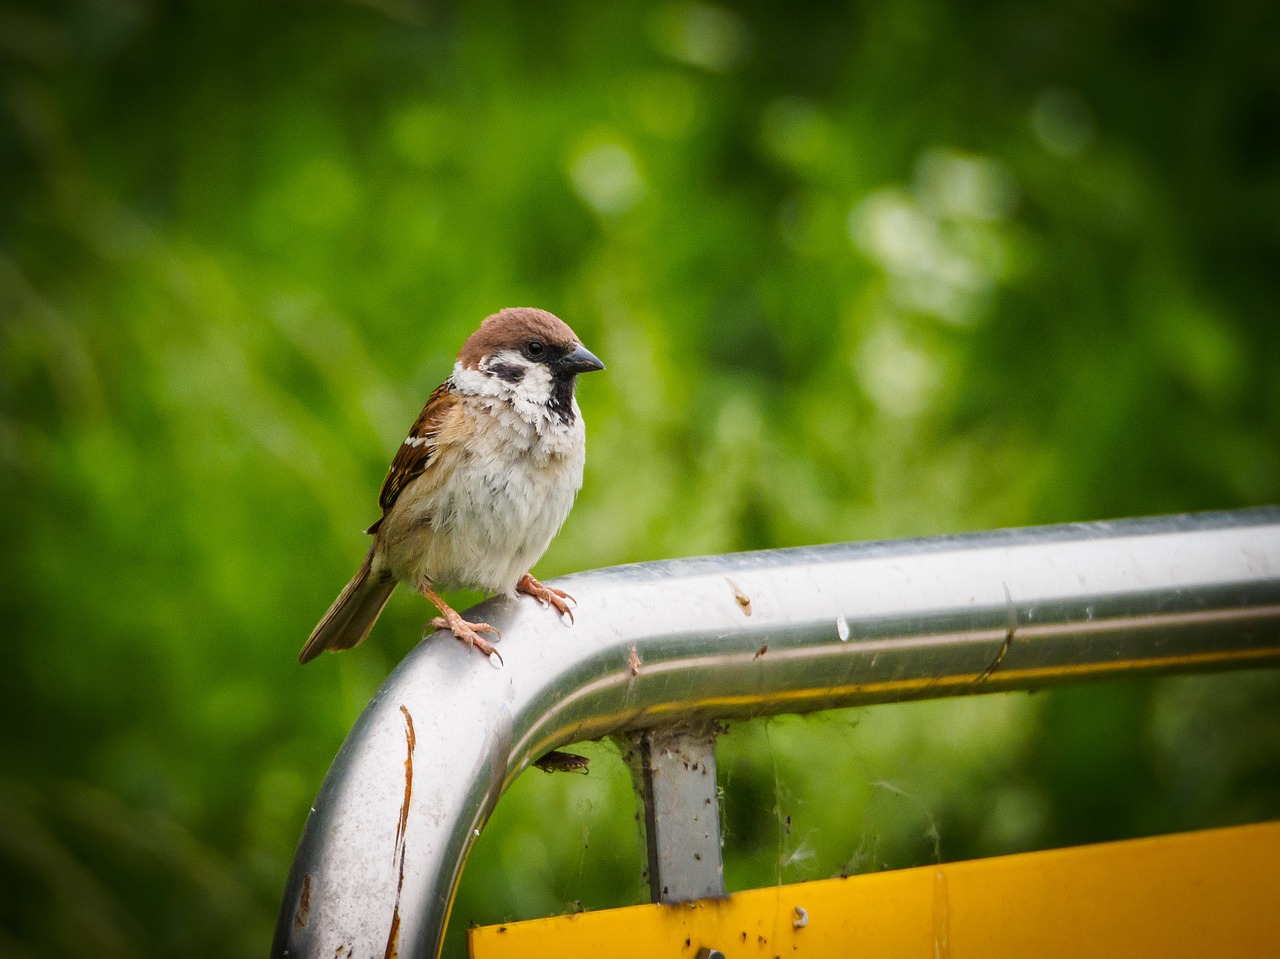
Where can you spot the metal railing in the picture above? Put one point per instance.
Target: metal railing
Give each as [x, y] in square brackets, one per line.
[661, 649]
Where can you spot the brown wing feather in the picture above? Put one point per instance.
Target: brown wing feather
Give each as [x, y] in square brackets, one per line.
[415, 453]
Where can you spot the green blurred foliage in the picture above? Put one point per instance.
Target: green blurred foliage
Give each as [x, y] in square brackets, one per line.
[858, 270]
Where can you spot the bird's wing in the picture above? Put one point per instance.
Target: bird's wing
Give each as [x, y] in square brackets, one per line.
[417, 451]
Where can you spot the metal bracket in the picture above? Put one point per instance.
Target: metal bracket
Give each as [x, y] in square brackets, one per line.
[674, 772]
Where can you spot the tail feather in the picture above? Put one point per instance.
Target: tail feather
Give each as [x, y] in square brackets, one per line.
[352, 614]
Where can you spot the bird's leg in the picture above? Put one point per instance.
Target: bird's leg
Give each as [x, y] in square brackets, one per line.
[452, 620]
[547, 594]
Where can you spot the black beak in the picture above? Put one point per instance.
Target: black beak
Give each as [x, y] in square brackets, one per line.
[581, 360]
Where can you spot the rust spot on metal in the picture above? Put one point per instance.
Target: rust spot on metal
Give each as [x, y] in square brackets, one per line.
[739, 597]
[633, 661]
[411, 740]
[304, 903]
[393, 938]
[761, 651]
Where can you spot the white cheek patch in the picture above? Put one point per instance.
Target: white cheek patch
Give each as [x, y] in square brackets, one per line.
[535, 397]
[507, 375]
[535, 385]
[475, 382]
[507, 365]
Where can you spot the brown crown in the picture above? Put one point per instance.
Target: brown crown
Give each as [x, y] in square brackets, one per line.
[512, 328]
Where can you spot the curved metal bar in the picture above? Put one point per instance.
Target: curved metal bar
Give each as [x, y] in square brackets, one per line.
[746, 635]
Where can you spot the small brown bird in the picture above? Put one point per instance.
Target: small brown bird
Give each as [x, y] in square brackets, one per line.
[483, 482]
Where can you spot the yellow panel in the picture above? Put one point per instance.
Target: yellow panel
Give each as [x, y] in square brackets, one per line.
[1212, 893]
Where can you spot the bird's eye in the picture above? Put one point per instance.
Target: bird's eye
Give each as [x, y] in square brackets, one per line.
[535, 347]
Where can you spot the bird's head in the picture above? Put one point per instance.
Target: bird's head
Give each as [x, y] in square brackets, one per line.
[527, 355]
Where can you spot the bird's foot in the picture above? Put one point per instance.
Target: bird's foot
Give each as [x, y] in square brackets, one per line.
[451, 619]
[468, 633]
[547, 595]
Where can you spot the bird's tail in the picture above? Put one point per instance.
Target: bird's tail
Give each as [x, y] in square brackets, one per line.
[352, 614]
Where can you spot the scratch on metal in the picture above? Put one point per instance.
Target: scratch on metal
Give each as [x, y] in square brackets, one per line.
[1012, 628]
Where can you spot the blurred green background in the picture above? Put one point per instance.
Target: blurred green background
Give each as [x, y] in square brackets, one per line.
[868, 270]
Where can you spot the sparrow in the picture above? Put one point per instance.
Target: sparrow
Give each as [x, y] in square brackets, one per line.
[484, 480]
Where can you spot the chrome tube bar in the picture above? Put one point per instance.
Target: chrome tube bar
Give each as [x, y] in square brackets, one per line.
[685, 641]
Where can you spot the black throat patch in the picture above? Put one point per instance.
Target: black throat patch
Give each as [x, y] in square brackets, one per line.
[561, 402]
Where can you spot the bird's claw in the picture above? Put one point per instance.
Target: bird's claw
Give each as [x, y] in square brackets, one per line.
[548, 596]
[469, 634]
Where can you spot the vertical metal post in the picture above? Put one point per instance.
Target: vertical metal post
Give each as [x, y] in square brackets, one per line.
[674, 772]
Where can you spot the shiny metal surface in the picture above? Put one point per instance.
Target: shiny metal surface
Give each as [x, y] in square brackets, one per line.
[674, 771]
[660, 644]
